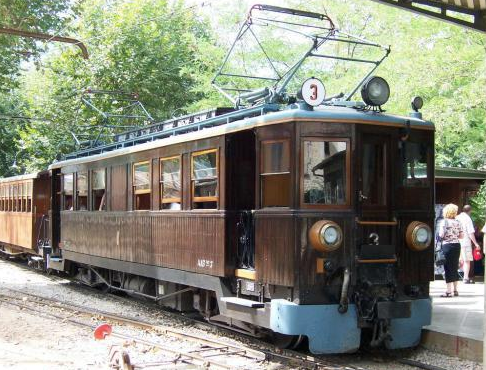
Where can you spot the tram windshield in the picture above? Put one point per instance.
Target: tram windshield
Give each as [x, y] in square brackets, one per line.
[414, 164]
[325, 172]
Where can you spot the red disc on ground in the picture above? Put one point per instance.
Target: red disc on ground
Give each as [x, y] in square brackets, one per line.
[102, 331]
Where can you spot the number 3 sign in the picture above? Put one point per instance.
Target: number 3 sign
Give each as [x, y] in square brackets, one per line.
[313, 91]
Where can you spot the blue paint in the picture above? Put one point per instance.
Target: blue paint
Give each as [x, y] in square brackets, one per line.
[328, 330]
[406, 332]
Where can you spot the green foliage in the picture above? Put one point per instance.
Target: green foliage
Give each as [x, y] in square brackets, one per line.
[45, 16]
[168, 52]
[10, 141]
[161, 50]
[478, 204]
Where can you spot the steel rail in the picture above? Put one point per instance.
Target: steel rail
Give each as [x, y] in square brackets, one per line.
[259, 355]
[182, 356]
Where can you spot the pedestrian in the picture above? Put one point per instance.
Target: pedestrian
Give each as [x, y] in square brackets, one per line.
[467, 241]
[450, 231]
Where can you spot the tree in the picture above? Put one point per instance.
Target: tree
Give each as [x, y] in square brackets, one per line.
[47, 16]
[162, 51]
[478, 203]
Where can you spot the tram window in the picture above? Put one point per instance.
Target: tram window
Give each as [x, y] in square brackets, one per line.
[275, 174]
[82, 191]
[68, 191]
[7, 198]
[2, 198]
[170, 183]
[324, 172]
[21, 197]
[15, 198]
[29, 196]
[205, 179]
[141, 186]
[25, 195]
[414, 164]
[98, 190]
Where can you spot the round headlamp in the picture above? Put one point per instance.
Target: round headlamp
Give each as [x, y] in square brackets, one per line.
[417, 103]
[375, 91]
[418, 236]
[325, 236]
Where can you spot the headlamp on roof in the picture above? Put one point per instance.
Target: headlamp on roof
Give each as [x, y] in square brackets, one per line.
[375, 91]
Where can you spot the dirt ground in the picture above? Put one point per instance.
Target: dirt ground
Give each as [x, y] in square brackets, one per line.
[31, 341]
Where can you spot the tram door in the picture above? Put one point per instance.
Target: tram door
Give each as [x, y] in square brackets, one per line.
[376, 224]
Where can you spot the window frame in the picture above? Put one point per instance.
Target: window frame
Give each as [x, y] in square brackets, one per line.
[161, 182]
[141, 191]
[76, 201]
[63, 191]
[91, 189]
[28, 200]
[348, 203]
[193, 181]
[429, 160]
[263, 174]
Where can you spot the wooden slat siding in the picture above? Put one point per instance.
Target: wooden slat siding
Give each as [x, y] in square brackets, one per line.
[174, 240]
[118, 193]
[274, 249]
[17, 228]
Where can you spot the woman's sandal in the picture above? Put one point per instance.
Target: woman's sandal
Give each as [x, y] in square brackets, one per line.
[456, 293]
[446, 295]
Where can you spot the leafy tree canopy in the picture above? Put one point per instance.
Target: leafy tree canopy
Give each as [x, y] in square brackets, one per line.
[45, 16]
[167, 53]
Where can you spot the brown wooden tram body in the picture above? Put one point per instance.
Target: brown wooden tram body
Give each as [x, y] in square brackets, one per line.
[24, 204]
[203, 243]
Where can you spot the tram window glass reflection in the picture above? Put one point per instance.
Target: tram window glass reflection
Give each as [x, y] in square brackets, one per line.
[204, 177]
[325, 172]
[414, 164]
[82, 191]
[98, 190]
[275, 173]
[68, 191]
[141, 186]
[170, 183]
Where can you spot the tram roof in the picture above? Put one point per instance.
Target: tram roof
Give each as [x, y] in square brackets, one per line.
[29, 176]
[466, 13]
[459, 173]
[325, 114]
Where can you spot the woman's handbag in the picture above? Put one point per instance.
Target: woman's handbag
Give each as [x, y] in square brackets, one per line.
[439, 253]
[440, 257]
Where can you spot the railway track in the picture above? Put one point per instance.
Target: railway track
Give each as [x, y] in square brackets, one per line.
[264, 352]
[206, 352]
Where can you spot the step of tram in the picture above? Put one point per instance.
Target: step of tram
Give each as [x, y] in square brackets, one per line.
[243, 302]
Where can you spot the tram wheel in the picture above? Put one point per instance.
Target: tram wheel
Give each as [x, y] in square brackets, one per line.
[284, 341]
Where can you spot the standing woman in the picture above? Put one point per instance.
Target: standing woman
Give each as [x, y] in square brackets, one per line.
[450, 231]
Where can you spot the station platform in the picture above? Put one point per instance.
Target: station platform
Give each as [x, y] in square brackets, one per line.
[457, 322]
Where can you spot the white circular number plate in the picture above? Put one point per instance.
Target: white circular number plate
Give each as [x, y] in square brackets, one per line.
[313, 91]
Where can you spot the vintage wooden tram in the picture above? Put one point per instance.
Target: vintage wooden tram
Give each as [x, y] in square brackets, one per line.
[284, 217]
[24, 206]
